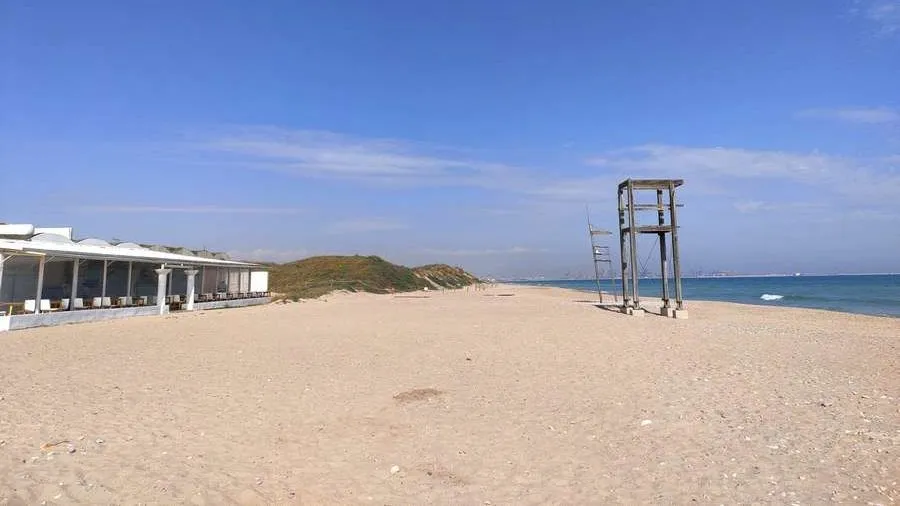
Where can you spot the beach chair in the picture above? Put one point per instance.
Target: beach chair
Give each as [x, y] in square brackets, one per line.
[150, 300]
[64, 305]
[124, 301]
[30, 305]
[77, 303]
[106, 302]
[96, 302]
[142, 300]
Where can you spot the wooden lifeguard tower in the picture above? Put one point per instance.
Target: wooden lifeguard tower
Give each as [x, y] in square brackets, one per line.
[629, 229]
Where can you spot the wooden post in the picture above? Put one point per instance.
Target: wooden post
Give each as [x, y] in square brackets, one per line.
[75, 266]
[40, 285]
[676, 260]
[663, 261]
[625, 297]
[632, 236]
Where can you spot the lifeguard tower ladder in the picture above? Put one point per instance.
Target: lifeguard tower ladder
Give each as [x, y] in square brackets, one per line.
[602, 261]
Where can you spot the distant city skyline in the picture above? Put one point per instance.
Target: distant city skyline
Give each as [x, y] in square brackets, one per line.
[468, 133]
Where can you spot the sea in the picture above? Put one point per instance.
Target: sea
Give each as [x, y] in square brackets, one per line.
[875, 294]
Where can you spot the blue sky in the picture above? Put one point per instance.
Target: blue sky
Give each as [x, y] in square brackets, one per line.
[466, 132]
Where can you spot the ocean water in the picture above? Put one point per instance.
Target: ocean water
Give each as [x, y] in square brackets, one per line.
[870, 294]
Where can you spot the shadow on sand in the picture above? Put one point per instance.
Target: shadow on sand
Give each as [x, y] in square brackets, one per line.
[613, 307]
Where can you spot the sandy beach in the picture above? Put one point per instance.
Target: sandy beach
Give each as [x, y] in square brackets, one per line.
[512, 395]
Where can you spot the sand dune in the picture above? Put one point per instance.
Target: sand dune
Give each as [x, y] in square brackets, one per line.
[462, 397]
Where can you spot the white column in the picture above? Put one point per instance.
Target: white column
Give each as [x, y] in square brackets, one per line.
[163, 274]
[103, 289]
[128, 288]
[191, 277]
[74, 285]
[240, 282]
[40, 285]
[2, 260]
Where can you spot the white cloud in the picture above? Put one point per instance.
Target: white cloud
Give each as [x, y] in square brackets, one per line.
[852, 178]
[847, 184]
[654, 161]
[872, 115]
[270, 255]
[489, 211]
[515, 250]
[874, 215]
[883, 13]
[709, 170]
[365, 225]
[327, 154]
[589, 189]
[190, 209]
[756, 206]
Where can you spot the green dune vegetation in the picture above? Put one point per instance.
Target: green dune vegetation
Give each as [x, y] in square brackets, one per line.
[317, 276]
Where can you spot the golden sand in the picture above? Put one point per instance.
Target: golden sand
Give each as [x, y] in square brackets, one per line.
[462, 397]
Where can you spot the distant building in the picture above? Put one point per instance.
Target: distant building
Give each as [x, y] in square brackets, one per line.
[47, 278]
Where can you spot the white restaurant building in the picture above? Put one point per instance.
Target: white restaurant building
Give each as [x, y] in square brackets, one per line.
[47, 278]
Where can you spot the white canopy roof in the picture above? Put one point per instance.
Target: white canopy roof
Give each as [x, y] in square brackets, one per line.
[62, 247]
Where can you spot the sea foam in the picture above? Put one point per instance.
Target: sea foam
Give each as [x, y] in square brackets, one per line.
[770, 296]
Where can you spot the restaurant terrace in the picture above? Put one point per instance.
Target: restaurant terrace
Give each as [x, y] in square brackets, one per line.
[49, 278]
